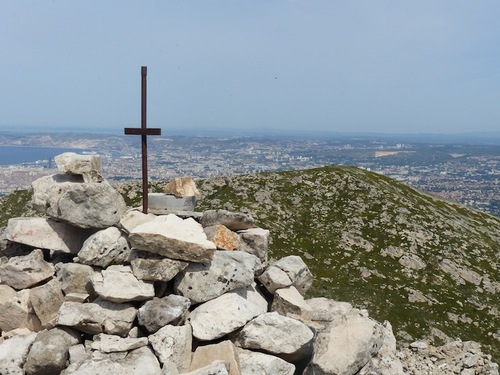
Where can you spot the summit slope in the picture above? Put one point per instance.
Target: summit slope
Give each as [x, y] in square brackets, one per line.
[427, 265]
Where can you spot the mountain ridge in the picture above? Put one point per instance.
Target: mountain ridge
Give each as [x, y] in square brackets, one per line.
[427, 265]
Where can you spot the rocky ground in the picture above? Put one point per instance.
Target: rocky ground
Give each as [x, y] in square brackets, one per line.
[92, 287]
[427, 265]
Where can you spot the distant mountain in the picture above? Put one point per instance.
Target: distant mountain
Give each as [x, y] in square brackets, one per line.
[428, 266]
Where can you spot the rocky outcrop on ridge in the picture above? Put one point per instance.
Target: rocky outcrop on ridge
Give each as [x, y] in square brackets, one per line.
[427, 265]
[122, 304]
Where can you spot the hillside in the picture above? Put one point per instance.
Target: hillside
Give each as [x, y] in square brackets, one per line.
[428, 266]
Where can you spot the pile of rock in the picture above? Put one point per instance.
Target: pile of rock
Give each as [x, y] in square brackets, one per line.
[94, 289]
[454, 357]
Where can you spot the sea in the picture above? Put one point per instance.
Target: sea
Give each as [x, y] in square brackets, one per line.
[25, 155]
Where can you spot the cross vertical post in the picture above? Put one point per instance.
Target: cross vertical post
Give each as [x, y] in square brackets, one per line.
[143, 131]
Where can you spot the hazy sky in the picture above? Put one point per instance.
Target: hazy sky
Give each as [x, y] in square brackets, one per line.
[370, 66]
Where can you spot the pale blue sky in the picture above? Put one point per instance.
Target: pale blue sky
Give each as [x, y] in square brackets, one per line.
[364, 66]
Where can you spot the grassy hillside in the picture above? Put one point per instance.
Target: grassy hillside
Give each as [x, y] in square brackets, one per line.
[15, 204]
[428, 266]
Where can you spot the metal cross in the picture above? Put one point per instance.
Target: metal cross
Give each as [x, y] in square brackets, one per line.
[143, 131]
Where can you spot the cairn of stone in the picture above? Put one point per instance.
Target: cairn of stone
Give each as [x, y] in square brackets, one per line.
[94, 288]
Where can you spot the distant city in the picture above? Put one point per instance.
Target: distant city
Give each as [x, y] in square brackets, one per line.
[464, 169]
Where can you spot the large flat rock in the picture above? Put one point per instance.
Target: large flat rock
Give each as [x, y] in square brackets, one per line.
[153, 267]
[227, 313]
[13, 353]
[224, 351]
[25, 271]
[99, 316]
[105, 247]
[46, 300]
[159, 312]
[347, 347]
[290, 270]
[82, 204]
[112, 343]
[88, 166]
[139, 361]
[252, 363]
[118, 284]
[276, 334]
[16, 312]
[46, 233]
[172, 345]
[49, 351]
[227, 271]
[173, 237]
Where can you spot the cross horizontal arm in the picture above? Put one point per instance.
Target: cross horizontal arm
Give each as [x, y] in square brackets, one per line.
[143, 131]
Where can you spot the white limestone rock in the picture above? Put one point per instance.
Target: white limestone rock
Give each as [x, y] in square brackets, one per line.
[46, 233]
[151, 267]
[85, 205]
[118, 284]
[255, 241]
[15, 332]
[139, 361]
[113, 343]
[99, 316]
[227, 313]
[227, 271]
[172, 344]
[49, 352]
[347, 347]
[159, 312]
[290, 270]
[78, 353]
[279, 335]
[6, 293]
[174, 238]
[289, 301]
[134, 218]
[16, 313]
[328, 310]
[95, 367]
[412, 261]
[253, 363]
[105, 247]
[386, 360]
[233, 220]
[217, 367]
[78, 297]
[224, 351]
[75, 278]
[46, 300]
[22, 272]
[88, 166]
[274, 278]
[169, 368]
[459, 274]
[13, 353]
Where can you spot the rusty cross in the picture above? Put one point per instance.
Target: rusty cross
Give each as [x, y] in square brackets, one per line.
[143, 131]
